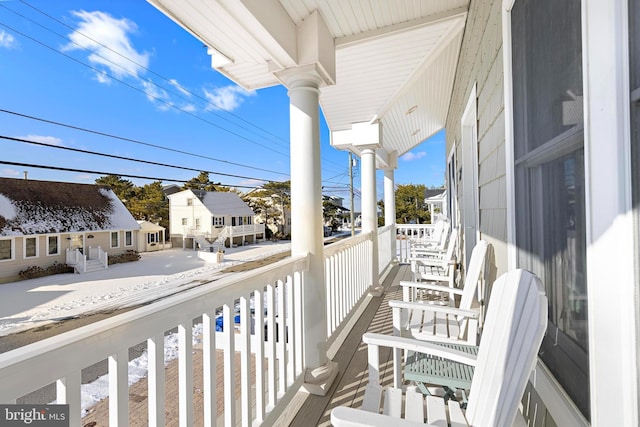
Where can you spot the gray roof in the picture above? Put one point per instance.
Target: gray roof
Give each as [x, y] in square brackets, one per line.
[223, 203]
[30, 207]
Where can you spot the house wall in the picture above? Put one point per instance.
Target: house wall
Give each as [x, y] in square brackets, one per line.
[481, 64]
[10, 269]
[178, 209]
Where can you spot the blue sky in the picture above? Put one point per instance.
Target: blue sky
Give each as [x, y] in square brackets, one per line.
[144, 88]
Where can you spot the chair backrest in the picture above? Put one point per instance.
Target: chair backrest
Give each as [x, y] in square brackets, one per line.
[514, 328]
[441, 232]
[474, 270]
[451, 245]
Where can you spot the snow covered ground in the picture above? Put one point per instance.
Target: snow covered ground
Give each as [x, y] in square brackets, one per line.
[31, 303]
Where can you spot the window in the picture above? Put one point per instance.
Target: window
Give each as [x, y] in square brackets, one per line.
[6, 249]
[128, 238]
[53, 245]
[184, 221]
[115, 241]
[218, 221]
[152, 238]
[240, 220]
[30, 247]
[249, 220]
[189, 202]
[197, 223]
[549, 178]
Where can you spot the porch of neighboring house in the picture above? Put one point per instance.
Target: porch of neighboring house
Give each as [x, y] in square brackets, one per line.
[228, 236]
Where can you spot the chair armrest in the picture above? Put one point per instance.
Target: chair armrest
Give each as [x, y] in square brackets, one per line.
[432, 287]
[343, 416]
[412, 344]
[472, 314]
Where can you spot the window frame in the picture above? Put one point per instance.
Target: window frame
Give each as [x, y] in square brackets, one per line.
[117, 236]
[12, 248]
[36, 239]
[57, 237]
[128, 235]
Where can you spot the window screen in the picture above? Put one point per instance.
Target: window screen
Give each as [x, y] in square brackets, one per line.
[549, 177]
[30, 247]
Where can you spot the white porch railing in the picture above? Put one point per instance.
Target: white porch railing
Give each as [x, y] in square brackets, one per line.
[99, 254]
[346, 285]
[278, 362]
[267, 342]
[407, 232]
[76, 260]
[386, 235]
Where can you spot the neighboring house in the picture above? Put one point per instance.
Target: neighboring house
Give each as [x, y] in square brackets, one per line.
[273, 214]
[44, 222]
[436, 199]
[151, 237]
[209, 218]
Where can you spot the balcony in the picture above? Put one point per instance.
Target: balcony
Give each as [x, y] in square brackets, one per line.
[250, 374]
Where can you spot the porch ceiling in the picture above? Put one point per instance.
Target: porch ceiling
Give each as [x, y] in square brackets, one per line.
[394, 60]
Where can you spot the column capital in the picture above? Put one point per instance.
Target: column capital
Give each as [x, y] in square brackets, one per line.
[306, 76]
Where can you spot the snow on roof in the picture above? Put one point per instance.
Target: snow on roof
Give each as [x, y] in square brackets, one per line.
[226, 203]
[30, 207]
[149, 226]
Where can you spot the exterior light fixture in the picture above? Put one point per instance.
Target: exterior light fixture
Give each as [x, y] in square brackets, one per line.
[411, 110]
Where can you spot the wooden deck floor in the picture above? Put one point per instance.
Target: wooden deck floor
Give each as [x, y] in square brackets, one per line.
[348, 388]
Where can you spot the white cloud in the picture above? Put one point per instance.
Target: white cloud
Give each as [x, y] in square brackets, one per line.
[109, 41]
[10, 172]
[226, 98]
[189, 108]
[178, 86]
[251, 182]
[408, 157]
[7, 40]
[50, 140]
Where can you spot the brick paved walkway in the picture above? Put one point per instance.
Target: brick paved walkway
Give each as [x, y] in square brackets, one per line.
[98, 415]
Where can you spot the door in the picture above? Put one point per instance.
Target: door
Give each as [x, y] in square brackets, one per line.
[470, 210]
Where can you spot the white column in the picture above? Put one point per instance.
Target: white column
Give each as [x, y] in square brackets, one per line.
[390, 206]
[369, 211]
[306, 225]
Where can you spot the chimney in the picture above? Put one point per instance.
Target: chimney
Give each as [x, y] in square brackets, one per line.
[25, 175]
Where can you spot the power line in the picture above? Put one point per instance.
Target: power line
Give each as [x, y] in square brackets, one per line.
[147, 69]
[113, 156]
[139, 65]
[169, 104]
[136, 141]
[58, 168]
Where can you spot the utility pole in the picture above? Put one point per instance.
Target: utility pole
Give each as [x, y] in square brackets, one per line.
[353, 227]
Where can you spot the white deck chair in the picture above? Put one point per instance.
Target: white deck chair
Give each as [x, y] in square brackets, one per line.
[430, 266]
[434, 288]
[430, 322]
[438, 238]
[516, 322]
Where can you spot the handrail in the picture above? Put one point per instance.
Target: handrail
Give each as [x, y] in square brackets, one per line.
[61, 358]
